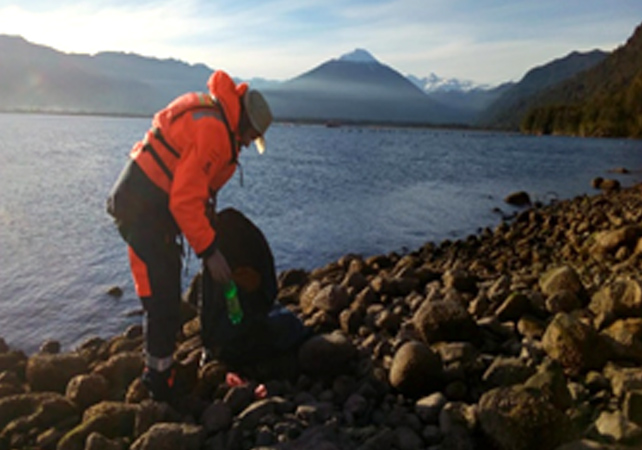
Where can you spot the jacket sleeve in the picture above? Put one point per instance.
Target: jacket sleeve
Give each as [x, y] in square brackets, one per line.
[190, 189]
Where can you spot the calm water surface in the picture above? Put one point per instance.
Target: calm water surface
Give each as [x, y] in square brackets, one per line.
[317, 194]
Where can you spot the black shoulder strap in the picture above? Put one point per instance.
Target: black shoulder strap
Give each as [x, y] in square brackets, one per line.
[234, 159]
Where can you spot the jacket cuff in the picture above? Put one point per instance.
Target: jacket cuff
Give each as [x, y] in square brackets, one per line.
[209, 250]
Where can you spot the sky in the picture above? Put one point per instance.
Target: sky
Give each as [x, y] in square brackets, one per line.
[484, 41]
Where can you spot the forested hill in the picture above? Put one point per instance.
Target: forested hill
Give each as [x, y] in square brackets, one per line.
[604, 101]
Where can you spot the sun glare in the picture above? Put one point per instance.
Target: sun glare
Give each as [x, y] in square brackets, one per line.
[83, 28]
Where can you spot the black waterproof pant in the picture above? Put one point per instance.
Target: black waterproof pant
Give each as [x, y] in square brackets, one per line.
[141, 212]
[155, 259]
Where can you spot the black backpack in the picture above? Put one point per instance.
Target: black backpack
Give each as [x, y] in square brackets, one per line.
[266, 326]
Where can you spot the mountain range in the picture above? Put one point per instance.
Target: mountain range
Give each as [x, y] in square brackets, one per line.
[603, 101]
[354, 87]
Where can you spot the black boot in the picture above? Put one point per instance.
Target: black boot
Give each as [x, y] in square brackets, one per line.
[160, 384]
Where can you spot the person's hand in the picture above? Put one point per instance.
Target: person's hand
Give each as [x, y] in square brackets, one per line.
[218, 267]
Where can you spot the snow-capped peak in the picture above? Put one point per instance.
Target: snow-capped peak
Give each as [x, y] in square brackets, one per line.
[435, 83]
[358, 55]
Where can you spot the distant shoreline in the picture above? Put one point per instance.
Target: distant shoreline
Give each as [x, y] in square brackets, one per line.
[330, 123]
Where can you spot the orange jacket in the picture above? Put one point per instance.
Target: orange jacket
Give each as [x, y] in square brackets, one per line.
[197, 154]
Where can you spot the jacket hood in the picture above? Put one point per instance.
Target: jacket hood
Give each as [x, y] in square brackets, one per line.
[221, 86]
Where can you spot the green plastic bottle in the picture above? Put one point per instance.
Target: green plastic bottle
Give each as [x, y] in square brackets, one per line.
[234, 310]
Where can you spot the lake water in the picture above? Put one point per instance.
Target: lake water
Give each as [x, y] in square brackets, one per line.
[317, 194]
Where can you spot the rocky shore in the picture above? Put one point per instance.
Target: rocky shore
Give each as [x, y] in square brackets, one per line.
[523, 337]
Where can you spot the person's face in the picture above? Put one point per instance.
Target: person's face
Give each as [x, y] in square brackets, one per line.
[248, 136]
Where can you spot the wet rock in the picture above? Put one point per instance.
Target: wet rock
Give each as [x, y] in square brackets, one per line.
[115, 291]
[519, 198]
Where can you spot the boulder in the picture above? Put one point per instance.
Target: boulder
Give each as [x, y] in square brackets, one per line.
[217, 417]
[416, 370]
[444, 321]
[12, 360]
[609, 241]
[574, 344]
[306, 298]
[623, 379]
[620, 299]
[519, 198]
[121, 369]
[47, 372]
[518, 418]
[550, 381]
[111, 419]
[513, 307]
[624, 338]
[327, 354]
[171, 436]
[48, 412]
[19, 405]
[561, 279]
[96, 441]
[615, 425]
[428, 408]
[87, 389]
[610, 184]
[506, 371]
[331, 299]
[460, 280]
